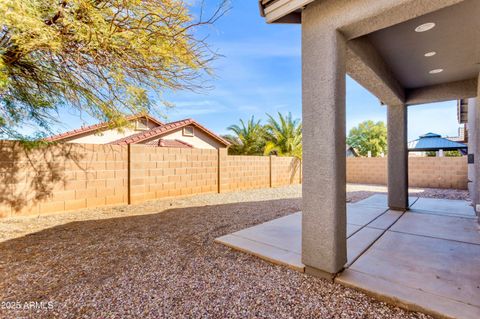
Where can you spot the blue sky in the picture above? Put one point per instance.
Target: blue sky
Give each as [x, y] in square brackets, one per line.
[261, 73]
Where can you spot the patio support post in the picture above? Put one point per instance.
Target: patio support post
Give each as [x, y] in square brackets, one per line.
[397, 157]
[324, 164]
[475, 109]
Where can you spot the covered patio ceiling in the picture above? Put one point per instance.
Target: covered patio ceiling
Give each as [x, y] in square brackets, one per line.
[403, 56]
[447, 39]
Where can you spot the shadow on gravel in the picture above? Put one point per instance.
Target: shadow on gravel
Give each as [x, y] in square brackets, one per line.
[40, 265]
[166, 265]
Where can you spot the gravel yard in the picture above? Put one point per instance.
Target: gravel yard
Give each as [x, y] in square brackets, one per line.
[158, 260]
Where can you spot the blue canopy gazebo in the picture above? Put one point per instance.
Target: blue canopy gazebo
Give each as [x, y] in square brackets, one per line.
[435, 142]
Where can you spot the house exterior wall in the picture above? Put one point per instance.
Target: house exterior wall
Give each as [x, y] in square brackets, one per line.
[200, 139]
[472, 147]
[107, 136]
[475, 130]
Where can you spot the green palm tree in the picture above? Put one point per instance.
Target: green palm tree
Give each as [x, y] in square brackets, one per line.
[248, 138]
[284, 137]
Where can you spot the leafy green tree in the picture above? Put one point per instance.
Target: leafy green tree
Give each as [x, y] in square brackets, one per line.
[247, 139]
[369, 136]
[284, 136]
[103, 57]
[455, 153]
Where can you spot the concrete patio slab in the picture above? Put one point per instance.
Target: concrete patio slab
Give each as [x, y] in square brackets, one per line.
[352, 229]
[443, 227]
[284, 233]
[362, 215]
[446, 206]
[381, 200]
[275, 255]
[360, 242]
[421, 260]
[386, 220]
[278, 241]
[422, 271]
[407, 297]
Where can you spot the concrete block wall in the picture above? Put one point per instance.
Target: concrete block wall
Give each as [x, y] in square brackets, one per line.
[60, 178]
[158, 172]
[244, 172]
[434, 172]
[285, 171]
[367, 170]
[438, 172]
[68, 177]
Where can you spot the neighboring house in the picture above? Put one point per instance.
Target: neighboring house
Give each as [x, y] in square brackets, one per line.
[145, 129]
[432, 142]
[350, 151]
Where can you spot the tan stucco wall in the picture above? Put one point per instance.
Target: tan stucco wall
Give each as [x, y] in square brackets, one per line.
[200, 139]
[107, 136]
[472, 147]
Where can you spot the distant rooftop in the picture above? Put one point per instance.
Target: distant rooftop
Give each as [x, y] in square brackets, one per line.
[434, 142]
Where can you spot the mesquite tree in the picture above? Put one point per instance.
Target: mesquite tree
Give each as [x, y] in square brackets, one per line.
[107, 58]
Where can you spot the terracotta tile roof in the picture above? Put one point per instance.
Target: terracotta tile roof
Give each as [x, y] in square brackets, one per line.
[169, 143]
[96, 127]
[166, 128]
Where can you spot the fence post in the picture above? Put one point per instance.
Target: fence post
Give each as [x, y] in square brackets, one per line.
[219, 167]
[300, 173]
[271, 176]
[129, 174]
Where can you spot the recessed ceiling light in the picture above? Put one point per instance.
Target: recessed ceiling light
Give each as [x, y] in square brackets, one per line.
[429, 54]
[425, 27]
[435, 71]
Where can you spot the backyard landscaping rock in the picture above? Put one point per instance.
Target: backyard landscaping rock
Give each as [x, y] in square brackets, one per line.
[159, 260]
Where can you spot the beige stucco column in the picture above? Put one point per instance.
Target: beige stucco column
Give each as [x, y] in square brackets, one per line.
[475, 127]
[397, 157]
[472, 148]
[323, 113]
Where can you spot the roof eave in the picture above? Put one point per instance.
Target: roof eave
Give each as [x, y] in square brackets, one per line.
[96, 128]
[282, 11]
[146, 138]
[437, 148]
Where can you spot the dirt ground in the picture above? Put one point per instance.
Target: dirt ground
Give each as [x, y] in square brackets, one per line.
[158, 260]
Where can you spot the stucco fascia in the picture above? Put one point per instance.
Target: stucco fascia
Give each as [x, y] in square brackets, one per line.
[442, 92]
[366, 66]
[370, 16]
[360, 16]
